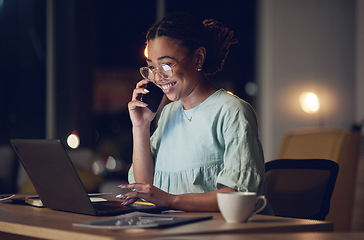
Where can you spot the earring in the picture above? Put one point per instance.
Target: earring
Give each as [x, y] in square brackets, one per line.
[199, 67]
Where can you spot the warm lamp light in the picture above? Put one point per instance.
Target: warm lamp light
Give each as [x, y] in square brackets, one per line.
[146, 51]
[310, 102]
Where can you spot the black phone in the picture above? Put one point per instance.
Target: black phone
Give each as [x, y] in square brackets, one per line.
[154, 97]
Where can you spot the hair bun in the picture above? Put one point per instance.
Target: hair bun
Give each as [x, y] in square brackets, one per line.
[220, 38]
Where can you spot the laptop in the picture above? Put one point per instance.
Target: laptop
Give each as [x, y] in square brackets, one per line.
[57, 183]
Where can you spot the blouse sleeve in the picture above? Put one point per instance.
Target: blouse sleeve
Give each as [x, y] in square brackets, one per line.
[243, 157]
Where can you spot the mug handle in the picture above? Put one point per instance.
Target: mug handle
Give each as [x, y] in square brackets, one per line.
[262, 207]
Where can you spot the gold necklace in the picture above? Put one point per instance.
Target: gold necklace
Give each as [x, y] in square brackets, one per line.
[190, 118]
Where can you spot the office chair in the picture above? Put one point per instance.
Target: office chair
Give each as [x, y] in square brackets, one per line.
[301, 188]
[339, 145]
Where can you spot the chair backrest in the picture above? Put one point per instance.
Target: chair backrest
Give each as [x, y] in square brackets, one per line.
[339, 145]
[301, 188]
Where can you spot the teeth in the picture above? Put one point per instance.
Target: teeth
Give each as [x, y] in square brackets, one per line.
[165, 87]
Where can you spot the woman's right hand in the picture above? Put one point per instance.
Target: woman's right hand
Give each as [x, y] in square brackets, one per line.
[138, 111]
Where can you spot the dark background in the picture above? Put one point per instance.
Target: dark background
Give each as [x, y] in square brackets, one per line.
[99, 49]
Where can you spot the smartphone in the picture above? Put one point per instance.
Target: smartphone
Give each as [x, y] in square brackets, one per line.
[154, 97]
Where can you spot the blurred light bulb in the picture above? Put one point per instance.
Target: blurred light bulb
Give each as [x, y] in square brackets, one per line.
[309, 102]
[98, 167]
[111, 163]
[73, 140]
[251, 88]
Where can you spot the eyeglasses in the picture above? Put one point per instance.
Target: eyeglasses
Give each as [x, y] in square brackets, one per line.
[164, 70]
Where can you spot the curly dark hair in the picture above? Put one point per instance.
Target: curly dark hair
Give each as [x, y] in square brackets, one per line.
[194, 33]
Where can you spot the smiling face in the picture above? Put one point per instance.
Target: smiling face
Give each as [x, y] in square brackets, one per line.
[185, 80]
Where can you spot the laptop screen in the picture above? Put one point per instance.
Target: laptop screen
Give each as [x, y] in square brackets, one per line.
[53, 175]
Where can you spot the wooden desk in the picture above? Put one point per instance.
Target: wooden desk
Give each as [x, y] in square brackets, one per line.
[275, 236]
[19, 220]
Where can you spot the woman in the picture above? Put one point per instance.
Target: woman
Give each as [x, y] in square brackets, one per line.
[206, 140]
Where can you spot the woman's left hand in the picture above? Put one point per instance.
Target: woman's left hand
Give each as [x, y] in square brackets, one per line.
[147, 192]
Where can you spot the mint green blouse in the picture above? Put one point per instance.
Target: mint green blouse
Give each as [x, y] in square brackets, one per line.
[219, 147]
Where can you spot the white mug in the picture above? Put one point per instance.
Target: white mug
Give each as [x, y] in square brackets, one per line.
[239, 206]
